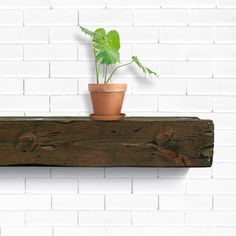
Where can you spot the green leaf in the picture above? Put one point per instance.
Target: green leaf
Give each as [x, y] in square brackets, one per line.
[86, 31]
[106, 55]
[106, 46]
[114, 40]
[145, 70]
[99, 35]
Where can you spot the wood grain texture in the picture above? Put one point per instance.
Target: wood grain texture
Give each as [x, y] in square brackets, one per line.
[134, 142]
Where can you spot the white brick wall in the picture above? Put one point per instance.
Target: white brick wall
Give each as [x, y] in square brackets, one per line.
[45, 65]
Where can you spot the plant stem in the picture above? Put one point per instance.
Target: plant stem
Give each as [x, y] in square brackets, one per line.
[113, 72]
[105, 78]
[96, 68]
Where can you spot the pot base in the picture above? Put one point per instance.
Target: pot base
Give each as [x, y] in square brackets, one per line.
[107, 118]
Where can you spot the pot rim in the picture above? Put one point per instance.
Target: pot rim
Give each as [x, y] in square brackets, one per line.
[107, 88]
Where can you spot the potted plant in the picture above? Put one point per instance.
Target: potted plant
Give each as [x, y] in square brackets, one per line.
[107, 98]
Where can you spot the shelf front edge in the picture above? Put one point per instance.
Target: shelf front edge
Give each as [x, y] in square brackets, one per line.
[134, 142]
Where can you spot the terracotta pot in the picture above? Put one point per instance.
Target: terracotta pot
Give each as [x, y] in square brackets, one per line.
[107, 99]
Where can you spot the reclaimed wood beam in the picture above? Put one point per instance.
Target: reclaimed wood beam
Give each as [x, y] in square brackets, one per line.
[133, 142]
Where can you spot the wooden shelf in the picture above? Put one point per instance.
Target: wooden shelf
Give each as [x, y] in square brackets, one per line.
[133, 142]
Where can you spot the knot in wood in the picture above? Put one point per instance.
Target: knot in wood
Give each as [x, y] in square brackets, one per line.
[26, 142]
[164, 138]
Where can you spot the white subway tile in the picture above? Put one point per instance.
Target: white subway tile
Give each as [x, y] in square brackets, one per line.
[24, 103]
[104, 217]
[159, 86]
[224, 170]
[140, 103]
[225, 34]
[71, 103]
[225, 137]
[189, 3]
[131, 202]
[187, 230]
[24, 69]
[77, 172]
[211, 186]
[213, 17]
[11, 18]
[114, 17]
[185, 103]
[51, 18]
[82, 231]
[23, 35]
[65, 35]
[24, 4]
[159, 186]
[185, 173]
[139, 34]
[199, 173]
[175, 173]
[134, 4]
[185, 202]
[186, 34]
[51, 185]
[225, 231]
[225, 69]
[222, 120]
[104, 185]
[78, 4]
[26, 231]
[11, 218]
[225, 202]
[224, 154]
[212, 87]
[21, 172]
[50, 52]
[189, 69]
[25, 202]
[227, 3]
[85, 52]
[131, 172]
[216, 218]
[224, 104]
[50, 86]
[128, 34]
[159, 218]
[134, 231]
[11, 86]
[11, 52]
[212, 52]
[13, 113]
[72, 69]
[160, 51]
[12, 185]
[161, 17]
[51, 218]
[77, 202]
[49, 113]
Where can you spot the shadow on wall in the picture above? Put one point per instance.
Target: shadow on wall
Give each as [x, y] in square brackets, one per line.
[127, 172]
[146, 172]
[173, 172]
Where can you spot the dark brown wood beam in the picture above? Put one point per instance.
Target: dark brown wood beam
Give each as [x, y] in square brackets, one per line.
[133, 142]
